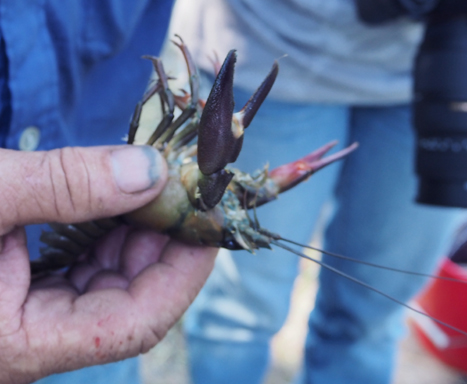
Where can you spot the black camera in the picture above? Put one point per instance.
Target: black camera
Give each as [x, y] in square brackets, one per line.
[440, 94]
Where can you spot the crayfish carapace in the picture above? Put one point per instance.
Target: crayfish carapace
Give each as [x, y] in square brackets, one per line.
[203, 202]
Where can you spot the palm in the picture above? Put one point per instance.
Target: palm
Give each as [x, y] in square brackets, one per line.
[117, 302]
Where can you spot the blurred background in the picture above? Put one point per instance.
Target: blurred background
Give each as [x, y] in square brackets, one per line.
[166, 363]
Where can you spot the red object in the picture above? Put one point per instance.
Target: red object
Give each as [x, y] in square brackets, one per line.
[445, 301]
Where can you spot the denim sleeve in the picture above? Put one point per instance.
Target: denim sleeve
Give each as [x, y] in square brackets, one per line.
[61, 53]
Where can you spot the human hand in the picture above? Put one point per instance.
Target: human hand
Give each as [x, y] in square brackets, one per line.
[118, 303]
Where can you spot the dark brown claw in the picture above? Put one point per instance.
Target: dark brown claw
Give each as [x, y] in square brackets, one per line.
[243, 118]
[212, 188]
[216, 140]
[220, 136]
[246, 114]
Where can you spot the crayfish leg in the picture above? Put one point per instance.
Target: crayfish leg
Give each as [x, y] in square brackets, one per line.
[167, 99]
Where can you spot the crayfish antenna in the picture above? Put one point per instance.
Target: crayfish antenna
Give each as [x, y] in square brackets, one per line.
[365, 285]
[353, 260]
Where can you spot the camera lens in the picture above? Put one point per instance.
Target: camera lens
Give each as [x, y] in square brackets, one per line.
[440, 113]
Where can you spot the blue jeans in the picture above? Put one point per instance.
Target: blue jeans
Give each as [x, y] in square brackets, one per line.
[353, 332]
[122, 372]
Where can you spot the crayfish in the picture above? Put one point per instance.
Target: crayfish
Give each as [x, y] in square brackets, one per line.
[203, 202]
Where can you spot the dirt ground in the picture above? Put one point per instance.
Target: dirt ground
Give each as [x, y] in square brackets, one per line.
[166, 363]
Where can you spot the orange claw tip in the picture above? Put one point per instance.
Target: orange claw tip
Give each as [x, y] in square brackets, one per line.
[289, 175]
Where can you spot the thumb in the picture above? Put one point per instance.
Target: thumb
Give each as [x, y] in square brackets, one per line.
[76, 184]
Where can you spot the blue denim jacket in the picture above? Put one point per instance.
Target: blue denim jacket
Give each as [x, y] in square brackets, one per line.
[71, 71]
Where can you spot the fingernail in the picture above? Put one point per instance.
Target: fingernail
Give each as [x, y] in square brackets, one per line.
[136, 168]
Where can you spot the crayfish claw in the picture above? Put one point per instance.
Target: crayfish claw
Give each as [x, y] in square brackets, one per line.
[217, 143]
[212, 188]
[256, 192]
[248, 112]
[289, 175]
[220, 136]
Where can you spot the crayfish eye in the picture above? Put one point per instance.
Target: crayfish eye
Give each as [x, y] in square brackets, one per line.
[230, 244]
